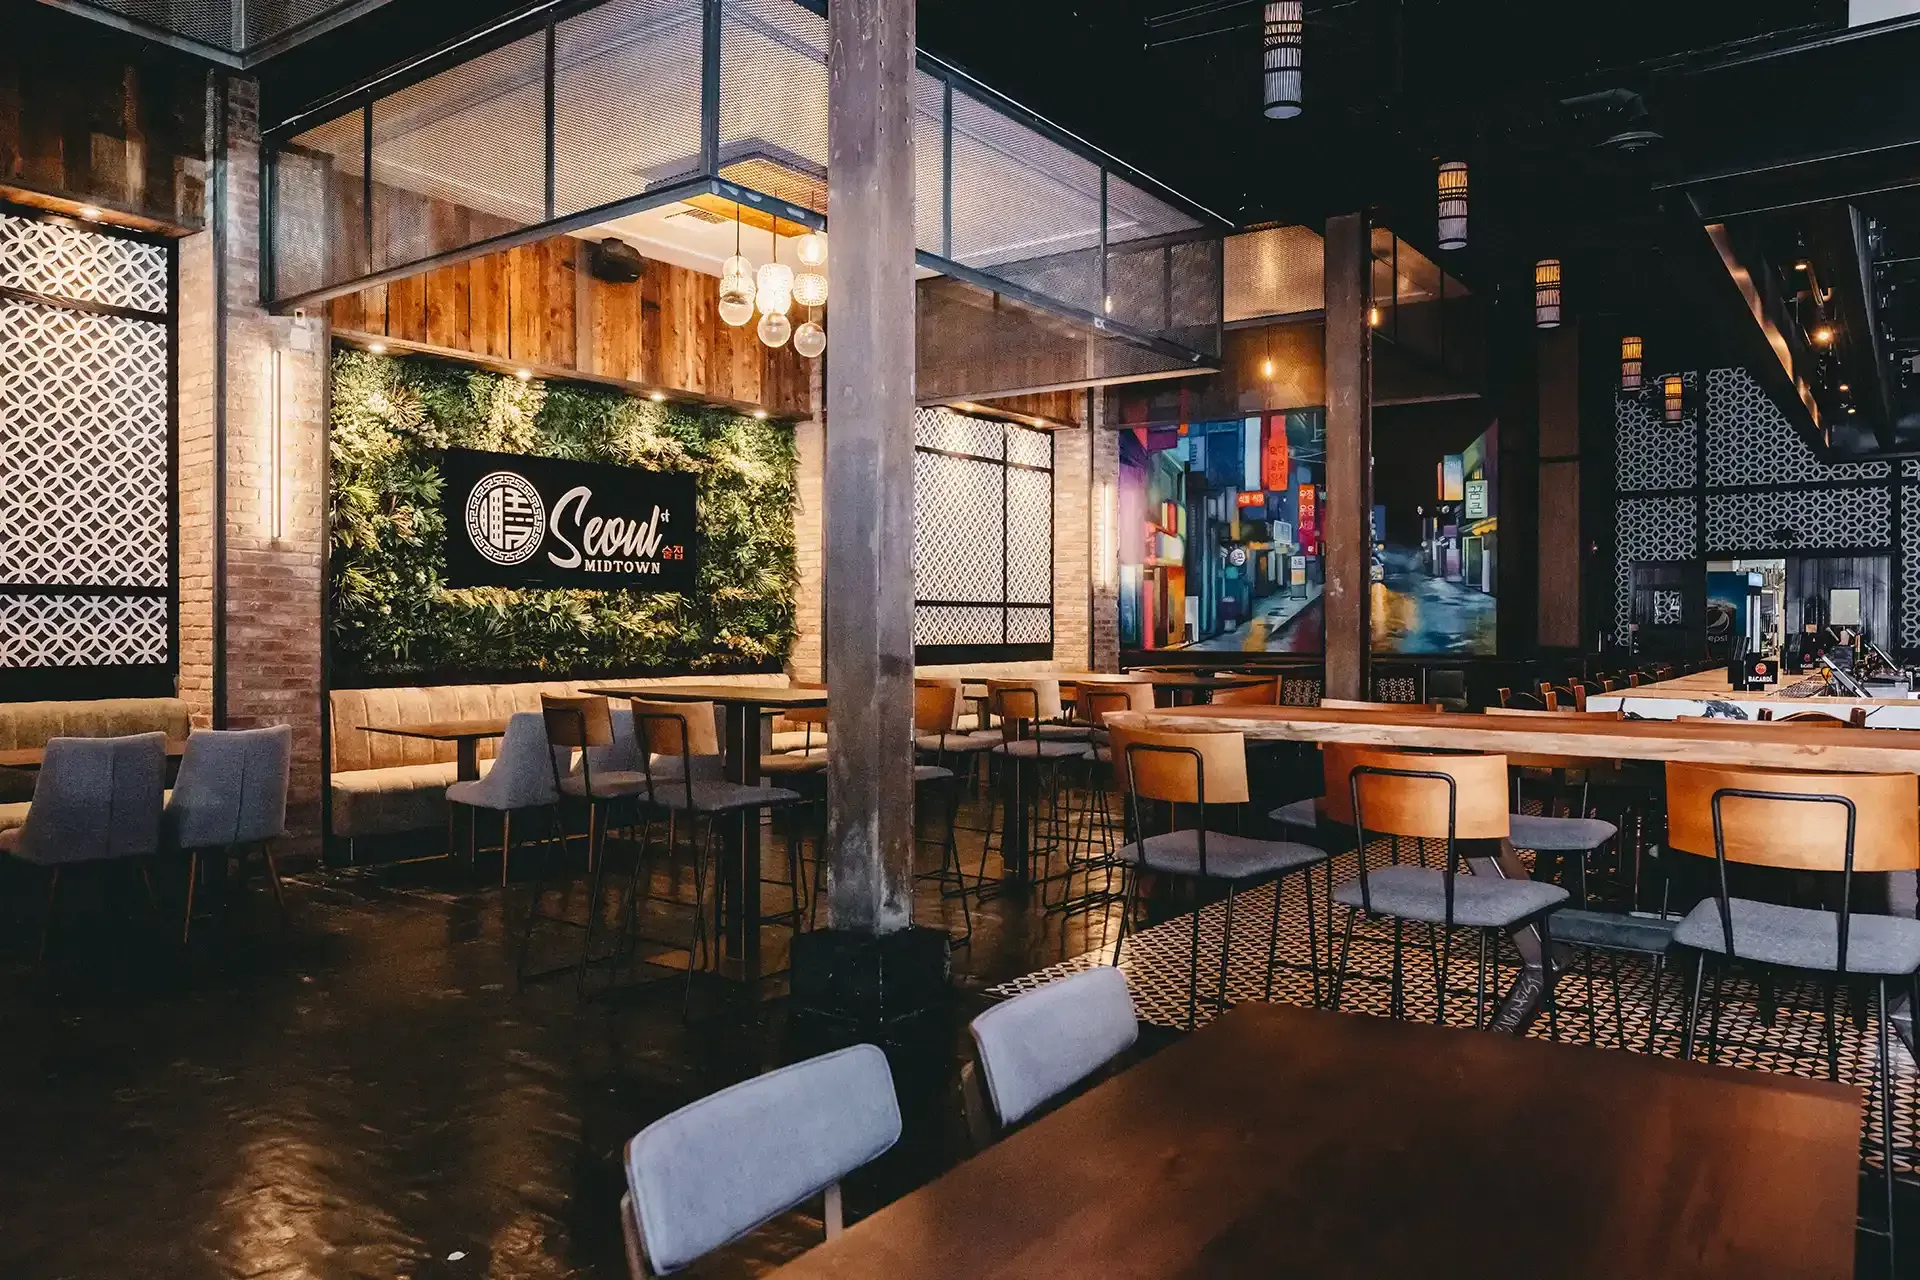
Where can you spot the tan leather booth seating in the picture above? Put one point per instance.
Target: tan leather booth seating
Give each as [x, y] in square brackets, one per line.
[30, 724]
[384, 784]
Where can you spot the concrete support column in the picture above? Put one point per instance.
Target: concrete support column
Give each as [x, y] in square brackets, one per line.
[869, 467]
[1347, 553]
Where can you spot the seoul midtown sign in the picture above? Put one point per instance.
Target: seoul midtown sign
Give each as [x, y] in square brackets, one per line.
[519, 521]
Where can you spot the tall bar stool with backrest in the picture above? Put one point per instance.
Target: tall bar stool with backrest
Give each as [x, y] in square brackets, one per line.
[717, 1169]
[1450, 798]
[521, 780]
[672, 731]
[1201, 769]
[95, 802]
[1022, 707]
[230, 794]
[935, 704]
[1830, 822]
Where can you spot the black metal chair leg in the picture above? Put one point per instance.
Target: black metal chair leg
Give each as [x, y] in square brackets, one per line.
[1273, 938]
[1440, 987]
[1193, 968]
[193, 886]
[1885, 1066]
[1346, 946]
[1653, 1016]
[1313, 945]
[1395, 1003]
[1693, 1007]
[1713, 1016]
[1126, 912]
[1480, 985]
[1226, 951]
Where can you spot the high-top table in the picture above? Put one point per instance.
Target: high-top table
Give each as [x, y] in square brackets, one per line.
[740, 905]
[1280, 1141]
[465, 735]
[1776, 744]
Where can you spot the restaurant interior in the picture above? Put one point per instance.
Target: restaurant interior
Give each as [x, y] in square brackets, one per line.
[1226, 638]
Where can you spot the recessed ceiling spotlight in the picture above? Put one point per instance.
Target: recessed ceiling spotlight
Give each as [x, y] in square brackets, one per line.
[1844, 388]
[523, 374]
[1801, 264]
[760, 413]
[90, 212]
[657, 397]
[377, 348]
[1823, 336]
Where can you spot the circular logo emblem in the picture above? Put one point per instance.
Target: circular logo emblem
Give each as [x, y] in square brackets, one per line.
[505, 518]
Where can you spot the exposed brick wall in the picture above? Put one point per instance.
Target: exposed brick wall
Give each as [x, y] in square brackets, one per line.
[274, 640]
[1104, 554]
[1070, 548]
[808, 659]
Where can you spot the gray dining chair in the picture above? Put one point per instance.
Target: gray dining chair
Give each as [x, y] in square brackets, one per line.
[521, 779]
[230, 793]
[96, 800]
[1034, 1047]
[718, 1169]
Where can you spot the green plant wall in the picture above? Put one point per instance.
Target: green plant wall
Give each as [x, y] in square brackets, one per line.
[393, 617]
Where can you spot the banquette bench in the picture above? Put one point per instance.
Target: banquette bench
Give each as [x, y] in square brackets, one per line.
[27, 725]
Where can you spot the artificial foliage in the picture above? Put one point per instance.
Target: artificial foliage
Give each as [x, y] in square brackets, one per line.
[393, 617]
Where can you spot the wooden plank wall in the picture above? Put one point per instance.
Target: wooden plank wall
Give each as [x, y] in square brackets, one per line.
[537, 303]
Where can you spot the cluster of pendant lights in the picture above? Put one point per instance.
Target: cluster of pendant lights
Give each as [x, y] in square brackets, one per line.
[774, 288]
[1451, 200]
[1673, 387]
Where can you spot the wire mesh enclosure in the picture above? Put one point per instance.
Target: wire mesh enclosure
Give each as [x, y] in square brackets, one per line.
[238, 34]
[632, 104]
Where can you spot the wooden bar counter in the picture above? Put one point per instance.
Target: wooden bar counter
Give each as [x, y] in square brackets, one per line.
[1690, 695]
[1772, 744]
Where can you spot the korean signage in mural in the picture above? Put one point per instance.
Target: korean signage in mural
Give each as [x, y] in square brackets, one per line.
[520, 521]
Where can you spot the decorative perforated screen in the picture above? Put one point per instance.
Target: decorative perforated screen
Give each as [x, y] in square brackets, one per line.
[85, 429]
[983, 533]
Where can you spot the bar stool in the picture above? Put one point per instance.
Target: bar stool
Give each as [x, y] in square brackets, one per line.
[1831, 822]
[670, 731]
[1199, 769]
[582, 723]
[1022, 707]
[1450, 798]
[1098, 838]
[936, 703]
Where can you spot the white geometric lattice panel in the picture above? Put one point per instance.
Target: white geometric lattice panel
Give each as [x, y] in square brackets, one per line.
[82, 631]
[1853, 516]
[1910, 562]
[1650, 452]
[83, 448]
[69, 262]
[957, 624]
[1749, 442]
[957, 528]
[1030, 448]
[952, 432]
[1647, 529]
[1030, 626]
[1029, 536]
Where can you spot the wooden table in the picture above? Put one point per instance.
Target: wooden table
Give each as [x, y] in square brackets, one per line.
[1285, 1142]
[744, 703]
[1179, 686]
[465, 735]
[32, 757]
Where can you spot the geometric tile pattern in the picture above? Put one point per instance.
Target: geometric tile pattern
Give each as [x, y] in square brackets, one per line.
[1649, 529]
[83, 448]
[1155, 961]
[1650, 452]
[82, 631]
[1852, 516]
[982, 531]
[84, 442]
[1750, 444]
[70, 262]
[1910, 564]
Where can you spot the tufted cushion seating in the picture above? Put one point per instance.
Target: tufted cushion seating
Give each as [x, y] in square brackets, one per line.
[31, 724]
[383, 784]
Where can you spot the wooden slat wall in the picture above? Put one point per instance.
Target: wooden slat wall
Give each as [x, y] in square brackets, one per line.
[537, 303]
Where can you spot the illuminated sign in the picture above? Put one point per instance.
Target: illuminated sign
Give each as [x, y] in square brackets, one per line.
[1274, 461]
[1453, 472]
[1476, 499]
[1255, 498]
[1309, 526]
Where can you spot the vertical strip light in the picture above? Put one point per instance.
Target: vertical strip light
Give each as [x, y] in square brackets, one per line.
[1105, 554]
[276, 460]
[1281, 47]
[1453, 204]
[1631, 349]
[1546, 293]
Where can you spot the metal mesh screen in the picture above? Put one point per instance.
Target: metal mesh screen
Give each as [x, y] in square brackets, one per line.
[1279, 271]
[461, 156]
[929, 164]
[626, 101]
[773, 100]
[234, 28]
[983, 531]
[318, 233]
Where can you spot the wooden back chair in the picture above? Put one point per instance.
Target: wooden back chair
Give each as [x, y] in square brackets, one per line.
[1095, 702]
[1196, 769]
[679, 730]
[936, 704]
[576, 722]
[1265, 694]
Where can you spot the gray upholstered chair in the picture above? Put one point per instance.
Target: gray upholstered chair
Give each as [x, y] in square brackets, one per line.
[717, 1169]
[231, 792]
[521, 778]
[1039, 1044]
[96, 800]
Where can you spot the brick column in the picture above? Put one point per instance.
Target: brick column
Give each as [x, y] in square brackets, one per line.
[1072, 547]
[808, 659]
[250, 576]
[1104, 555]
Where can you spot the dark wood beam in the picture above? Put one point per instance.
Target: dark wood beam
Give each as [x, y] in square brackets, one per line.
[1347, 553]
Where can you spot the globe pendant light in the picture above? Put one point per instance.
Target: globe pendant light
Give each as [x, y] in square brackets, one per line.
[775, 294]
[810, 286]
[1453, 205]
[1280, 50]
[775, 328]
[811, 249]
[810, 339]
[736, 282]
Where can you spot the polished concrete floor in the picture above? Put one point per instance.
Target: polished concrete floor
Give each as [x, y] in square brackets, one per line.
[366, 1091]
